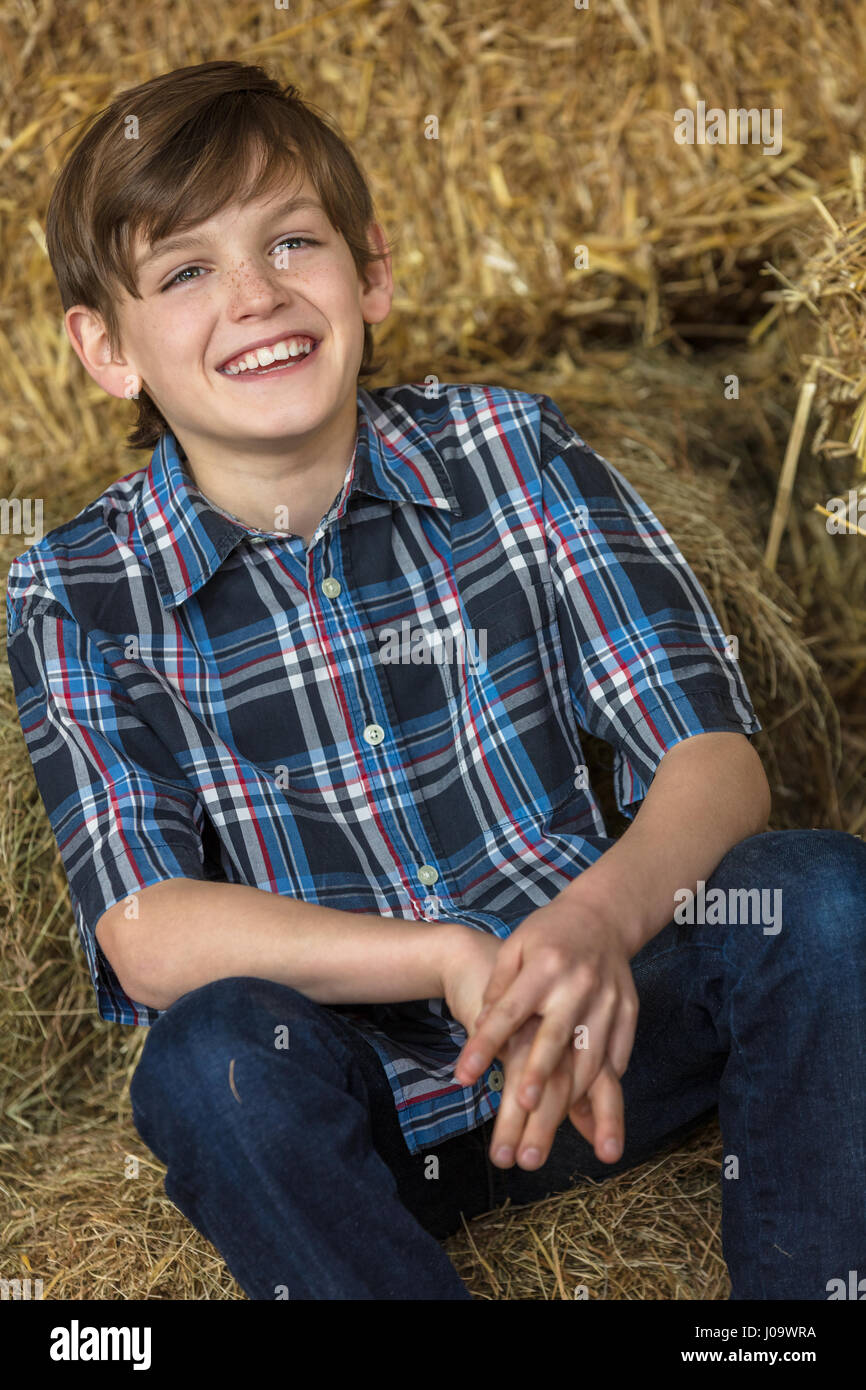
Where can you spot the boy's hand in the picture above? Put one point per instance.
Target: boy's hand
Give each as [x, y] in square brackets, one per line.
[598, 1115]
[569, 963]
[467, 962]
[467, 965]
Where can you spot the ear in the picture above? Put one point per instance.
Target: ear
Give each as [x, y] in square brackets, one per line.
[376, 297]
[87, 333]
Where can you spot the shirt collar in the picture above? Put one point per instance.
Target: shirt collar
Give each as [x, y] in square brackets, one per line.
[186, 537]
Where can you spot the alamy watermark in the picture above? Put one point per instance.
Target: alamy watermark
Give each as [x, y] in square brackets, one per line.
[721, 906]
[77, 1343]
[855, 1287]
[21, 1288]
[417, 646]
[25, 514]
[736, 126]
[846, 516]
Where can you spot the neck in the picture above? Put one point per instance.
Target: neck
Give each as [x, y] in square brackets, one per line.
[272, 490]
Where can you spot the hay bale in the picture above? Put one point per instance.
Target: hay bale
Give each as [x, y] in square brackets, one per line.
[822, 299]
[817, 321]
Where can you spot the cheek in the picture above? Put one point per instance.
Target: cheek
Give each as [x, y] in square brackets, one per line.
[169, 344]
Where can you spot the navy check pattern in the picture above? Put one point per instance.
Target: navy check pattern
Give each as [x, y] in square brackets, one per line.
[385, 722]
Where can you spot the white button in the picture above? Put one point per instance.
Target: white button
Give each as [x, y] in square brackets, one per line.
[331, 587]
[428, 874]
[496, 1080]
[374, 733]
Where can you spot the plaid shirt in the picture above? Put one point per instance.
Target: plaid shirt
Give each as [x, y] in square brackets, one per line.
[384, 723]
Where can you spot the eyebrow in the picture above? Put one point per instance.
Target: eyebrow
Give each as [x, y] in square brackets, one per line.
[196, 238]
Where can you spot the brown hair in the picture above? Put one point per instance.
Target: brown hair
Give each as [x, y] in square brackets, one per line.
[198, 130]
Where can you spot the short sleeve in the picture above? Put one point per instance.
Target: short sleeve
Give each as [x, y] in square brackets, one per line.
[646, 659]
[122, 813]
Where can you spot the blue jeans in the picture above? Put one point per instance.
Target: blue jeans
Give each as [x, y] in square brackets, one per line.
[294, 1166]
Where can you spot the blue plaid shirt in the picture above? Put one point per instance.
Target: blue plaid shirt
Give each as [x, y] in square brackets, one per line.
[387, 722]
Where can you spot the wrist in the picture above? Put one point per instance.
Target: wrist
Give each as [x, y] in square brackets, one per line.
[597, 898]
[452, 942]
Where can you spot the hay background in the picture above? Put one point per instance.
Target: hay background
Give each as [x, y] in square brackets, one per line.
[555, 131]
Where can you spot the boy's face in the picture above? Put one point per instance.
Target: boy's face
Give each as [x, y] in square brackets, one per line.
[257, 271]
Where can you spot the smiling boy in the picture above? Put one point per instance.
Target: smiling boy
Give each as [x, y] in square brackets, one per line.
[307, 869]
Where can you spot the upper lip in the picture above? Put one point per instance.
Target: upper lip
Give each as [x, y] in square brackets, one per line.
[268, 342]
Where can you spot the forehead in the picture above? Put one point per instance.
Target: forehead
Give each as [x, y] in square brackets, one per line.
[283, 198]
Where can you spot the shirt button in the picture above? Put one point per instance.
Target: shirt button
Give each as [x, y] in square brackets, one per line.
[428, 874]
[374, 733]
[331, 587]
[496, 1080]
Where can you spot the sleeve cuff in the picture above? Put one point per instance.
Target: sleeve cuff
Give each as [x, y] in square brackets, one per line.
[708, 713]
[120, 874]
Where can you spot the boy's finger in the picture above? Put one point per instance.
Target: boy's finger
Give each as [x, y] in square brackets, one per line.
[608, 1109]
[510, 1115]
[580, 1115]
[555, 1035]
[507, 1015]
[621, 1040]
[541, 1125]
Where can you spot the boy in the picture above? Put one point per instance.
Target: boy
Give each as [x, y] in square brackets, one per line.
[325, 864]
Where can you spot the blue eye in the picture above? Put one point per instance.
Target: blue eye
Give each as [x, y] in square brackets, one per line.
[176, 280]
[305, 240]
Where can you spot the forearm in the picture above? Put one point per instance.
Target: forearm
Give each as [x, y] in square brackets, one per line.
[188, 933]
[709, 792]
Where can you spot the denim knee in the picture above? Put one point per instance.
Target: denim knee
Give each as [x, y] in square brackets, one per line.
[218, 1019]
[819, 879]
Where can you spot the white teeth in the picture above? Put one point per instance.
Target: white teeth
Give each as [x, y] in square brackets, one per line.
[265, 356]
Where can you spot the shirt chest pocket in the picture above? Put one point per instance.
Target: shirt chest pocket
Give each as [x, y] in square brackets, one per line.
[515, 615]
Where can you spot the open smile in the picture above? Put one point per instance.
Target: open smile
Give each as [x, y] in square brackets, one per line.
[294, 364]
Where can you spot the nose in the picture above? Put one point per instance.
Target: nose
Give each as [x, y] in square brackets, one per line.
[254, 289]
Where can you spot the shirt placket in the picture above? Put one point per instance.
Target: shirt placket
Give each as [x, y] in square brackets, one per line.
[327, 559]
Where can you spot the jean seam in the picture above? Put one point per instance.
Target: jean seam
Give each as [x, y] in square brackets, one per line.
[747, 1106]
